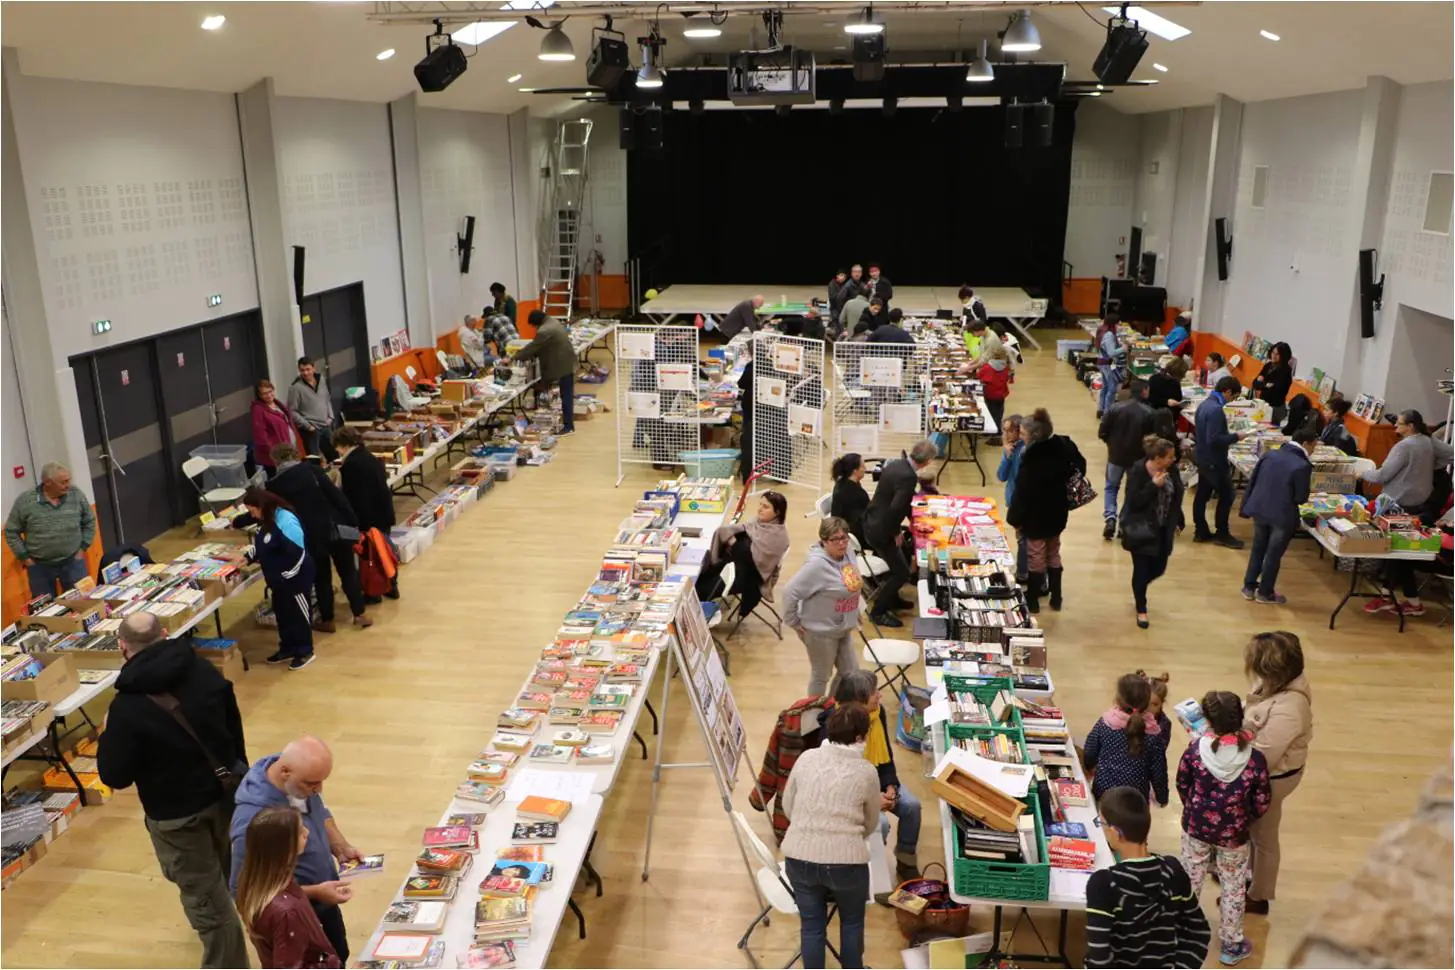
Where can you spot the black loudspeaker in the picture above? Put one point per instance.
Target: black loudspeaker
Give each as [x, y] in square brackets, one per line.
[440, 67]
[1040, 124]
[467, 243]
[1015, 122]
[1124, 47]
[869, 54]
[640, 128]
[1224, 241]
[610, 59]
[298, 275]
[1371, 293]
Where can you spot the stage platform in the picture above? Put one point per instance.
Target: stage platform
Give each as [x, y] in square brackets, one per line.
[687, 299]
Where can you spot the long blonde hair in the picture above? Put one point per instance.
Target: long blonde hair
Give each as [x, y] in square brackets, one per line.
[270, 853]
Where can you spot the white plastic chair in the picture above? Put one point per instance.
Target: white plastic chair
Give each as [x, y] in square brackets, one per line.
[871, 566]
[213, 498]
[883, 652]
[820, 508]
[772, 879]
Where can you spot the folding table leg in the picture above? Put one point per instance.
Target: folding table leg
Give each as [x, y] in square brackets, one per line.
[579, 917]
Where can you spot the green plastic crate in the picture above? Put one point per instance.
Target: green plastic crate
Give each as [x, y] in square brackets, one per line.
[982, 879]
[984, 690]
[1013, 731]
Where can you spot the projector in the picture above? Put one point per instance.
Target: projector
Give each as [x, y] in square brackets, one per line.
[439, 68]
[781, 76]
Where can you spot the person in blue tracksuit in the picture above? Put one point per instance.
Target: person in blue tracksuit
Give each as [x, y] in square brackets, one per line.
[279, 547]
[1010, 466]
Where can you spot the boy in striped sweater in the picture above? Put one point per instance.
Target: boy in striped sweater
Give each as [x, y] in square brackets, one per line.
[1141, 912]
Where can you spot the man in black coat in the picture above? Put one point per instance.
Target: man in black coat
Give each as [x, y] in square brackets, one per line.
[321, 509]
[187, 811]
[365, 484]
[879, 286]
[883, 523]
[1123, 427]
[743, 316]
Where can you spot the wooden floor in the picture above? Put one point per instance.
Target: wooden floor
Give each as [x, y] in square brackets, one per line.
[408, 703]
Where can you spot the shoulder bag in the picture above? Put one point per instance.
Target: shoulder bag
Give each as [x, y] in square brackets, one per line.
[229, 778]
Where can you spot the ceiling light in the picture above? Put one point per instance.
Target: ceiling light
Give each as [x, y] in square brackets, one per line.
[650, 76]
[1159, 67]
[864, 24]
[556, 46]
[384, 55]
[1265, 33]
[217, 20]
[480, 31]
[1021, 35]
[980, 68]
[513, 78]
[1151, 22]
[701, 28]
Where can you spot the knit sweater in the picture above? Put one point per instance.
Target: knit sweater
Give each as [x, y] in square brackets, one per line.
[47, 533]
[1143, 913]
[832, 803]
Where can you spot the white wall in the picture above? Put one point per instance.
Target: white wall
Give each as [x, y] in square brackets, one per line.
[338, 200]
[464, 169]
[1189, 233]
[607, 192]
[1104, 156]
[138, 207]
[1157, 167]
[1292, 268]
[15, 448]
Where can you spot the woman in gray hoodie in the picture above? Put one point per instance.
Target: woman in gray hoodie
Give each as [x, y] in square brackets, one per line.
[821, 603]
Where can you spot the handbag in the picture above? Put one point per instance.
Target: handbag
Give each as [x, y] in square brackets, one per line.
[1078, 490]
[229, 778]
[1139, 534]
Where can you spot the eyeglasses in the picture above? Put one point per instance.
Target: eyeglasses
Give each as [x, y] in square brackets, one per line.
[838, 538]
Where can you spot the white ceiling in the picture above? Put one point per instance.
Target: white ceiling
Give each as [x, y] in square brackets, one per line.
[327, 49]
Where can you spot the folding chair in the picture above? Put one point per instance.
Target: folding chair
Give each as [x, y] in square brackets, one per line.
[884, 653]
[213, 498]
[820, 508]
[871, 567]
[713, 612]
[772, 879]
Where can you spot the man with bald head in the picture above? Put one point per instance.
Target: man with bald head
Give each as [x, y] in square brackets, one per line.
[295, 777]
[174, 732]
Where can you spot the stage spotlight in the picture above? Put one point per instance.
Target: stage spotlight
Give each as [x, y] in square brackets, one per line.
[1126, 42]
[1021, 36]
[864, 23]
[650, 75]
[981, 69]
[610, 59]
[443, 62]
[556, 46]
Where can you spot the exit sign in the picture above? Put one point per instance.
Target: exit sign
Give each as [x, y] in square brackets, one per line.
[101, 326]
[214, 300]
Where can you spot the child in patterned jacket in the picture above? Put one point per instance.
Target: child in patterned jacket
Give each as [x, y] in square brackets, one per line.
[1223, 783]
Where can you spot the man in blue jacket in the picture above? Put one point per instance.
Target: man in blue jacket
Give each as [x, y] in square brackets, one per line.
[1279, 485]
[1213, 471]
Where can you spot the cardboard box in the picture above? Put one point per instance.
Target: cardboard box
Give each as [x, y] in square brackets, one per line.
[456, 391]
[55, 682]
[77, 622]
[228, 662]
[1358, 543]
[90, 659]
[1338, 481]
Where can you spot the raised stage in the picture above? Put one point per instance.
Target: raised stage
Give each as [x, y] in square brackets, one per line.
[688, 299]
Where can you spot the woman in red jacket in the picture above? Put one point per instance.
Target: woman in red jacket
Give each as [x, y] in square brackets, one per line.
[272, 425]
[279, 918]
[995, 374]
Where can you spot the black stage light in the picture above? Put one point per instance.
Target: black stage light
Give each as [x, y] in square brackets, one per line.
[443, 62]
[610, 58]
[1124, 47]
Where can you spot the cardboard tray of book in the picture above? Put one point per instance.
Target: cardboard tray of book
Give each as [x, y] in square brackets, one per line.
[77, 621]
[1352, 539]
[56, 681]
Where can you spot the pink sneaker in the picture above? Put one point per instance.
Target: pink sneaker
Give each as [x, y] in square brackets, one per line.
[1380, 604]
[1412, 609]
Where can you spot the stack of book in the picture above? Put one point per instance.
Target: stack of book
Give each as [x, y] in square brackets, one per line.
[1068, 853]
[996, 747]
[501, 919]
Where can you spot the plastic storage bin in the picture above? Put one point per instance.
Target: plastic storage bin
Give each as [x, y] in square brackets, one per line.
[226, 465]
[712, 463]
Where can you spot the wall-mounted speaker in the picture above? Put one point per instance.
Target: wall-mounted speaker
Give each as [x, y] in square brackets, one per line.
[466, 242]
[1040, 124]
[1015, 125]
[610, 59]
[440, 67]
[640, 128]
[869, 51]
[1371, 293]
[298, 275]
[1223, 238]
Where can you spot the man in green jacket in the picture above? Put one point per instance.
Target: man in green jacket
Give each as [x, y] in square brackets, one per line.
[50, 529]
[552, 345]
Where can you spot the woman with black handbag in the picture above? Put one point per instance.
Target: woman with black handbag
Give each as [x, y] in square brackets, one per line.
[1151, 517]
[1051, 482]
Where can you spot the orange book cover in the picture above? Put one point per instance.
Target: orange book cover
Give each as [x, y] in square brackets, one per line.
[545, 809]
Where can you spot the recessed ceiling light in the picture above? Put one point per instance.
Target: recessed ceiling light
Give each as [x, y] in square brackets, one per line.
[513, 78]
[384, 55]
[1265, 33]
[213, 22]
[1159, 67]
[1152, 22]
[480, 31]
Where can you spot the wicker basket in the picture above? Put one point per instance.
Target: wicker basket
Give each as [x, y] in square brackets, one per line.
[941, 915]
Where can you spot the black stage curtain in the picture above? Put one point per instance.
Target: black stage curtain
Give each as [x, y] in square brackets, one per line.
[934, 196]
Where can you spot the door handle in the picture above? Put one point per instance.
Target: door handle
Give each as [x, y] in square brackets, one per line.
[114, 463]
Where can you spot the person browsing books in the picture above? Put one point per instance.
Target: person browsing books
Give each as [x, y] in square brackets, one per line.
[184, 804]
[996, 376]
[1041, 508]
[821, 605]
[862, 687]
[1335, 433]
[296, 777]
[502, 304]
[280, 548]
[1141, 912]
[1274, 380]
[279, 919]
[850, 501]
[832, 803]
[1278, 486]
[1010, 465]
[558, 364]
[1214, 474]
[365, 483]
[1126, 746]
[1122, 428]
[883, 523]
[1279, 712]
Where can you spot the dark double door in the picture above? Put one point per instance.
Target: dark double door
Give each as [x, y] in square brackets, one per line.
[336, 336]
[146, 405]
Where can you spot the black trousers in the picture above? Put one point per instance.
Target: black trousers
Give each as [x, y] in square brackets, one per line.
[898, 575]
[295, 620]
[341, 555]
[1145, 571]
[997, 414]
[332, 918]
[1210, 479]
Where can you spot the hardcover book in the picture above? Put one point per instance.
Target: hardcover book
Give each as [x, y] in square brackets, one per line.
[534, 833]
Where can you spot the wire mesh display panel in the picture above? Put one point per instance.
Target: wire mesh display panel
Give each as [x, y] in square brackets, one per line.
[657, 414]
[879, 393]
[787, 424]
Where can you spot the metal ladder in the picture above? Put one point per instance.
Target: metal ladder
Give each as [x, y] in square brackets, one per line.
[563, 232]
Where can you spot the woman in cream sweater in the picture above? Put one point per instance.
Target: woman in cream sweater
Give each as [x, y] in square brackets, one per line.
[832, 803]
[1279, 712]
